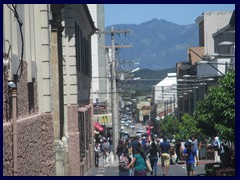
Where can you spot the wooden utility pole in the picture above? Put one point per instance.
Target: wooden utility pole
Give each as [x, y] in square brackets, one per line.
[114, 94]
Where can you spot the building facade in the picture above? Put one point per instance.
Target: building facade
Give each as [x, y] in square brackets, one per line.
[49, 47]
[99, 62]
[209, 23]
[26, 33]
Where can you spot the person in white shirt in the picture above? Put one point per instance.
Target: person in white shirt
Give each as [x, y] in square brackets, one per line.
[97, 150]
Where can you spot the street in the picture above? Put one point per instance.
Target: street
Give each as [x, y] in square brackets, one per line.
[175, 170]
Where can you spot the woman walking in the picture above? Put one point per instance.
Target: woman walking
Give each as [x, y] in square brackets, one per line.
[154, 153]
[121, 148]
[139, 163]
[97, 150]
[123, 163]
[178, 147]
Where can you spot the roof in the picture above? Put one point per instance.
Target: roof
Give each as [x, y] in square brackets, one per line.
[169, 80]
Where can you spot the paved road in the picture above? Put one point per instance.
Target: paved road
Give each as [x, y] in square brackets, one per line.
[175, 170]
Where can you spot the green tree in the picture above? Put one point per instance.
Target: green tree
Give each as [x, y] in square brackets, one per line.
[187, 127]
[168, 126]
[216, 113]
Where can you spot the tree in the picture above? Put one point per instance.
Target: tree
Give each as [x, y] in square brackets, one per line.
[187, 127]
[168, 126]
[216, 113]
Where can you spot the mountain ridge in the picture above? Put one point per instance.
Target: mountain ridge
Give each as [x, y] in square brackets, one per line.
[157, 43]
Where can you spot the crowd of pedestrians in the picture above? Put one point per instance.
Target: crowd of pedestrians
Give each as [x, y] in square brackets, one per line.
[133, 152]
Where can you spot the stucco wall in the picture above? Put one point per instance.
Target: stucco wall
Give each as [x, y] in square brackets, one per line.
[76, 167]
[35, 146]
[73, 142]
[27, 96]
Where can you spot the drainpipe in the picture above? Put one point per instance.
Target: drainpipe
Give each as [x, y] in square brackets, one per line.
[12, 85]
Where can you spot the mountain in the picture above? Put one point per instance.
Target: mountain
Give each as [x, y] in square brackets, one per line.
[157, 44]
[149, 79]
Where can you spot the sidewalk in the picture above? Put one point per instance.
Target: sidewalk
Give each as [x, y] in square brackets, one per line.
[112, 162]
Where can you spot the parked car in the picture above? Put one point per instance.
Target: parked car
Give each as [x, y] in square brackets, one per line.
[132, 126]
[139, 133]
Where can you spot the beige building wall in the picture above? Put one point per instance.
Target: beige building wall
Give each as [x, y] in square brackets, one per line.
[209, 23]
[29, 69]
[194, 53]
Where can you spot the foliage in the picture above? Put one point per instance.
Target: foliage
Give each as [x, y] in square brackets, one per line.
[187, 127]
[216, 113]
[168, 126]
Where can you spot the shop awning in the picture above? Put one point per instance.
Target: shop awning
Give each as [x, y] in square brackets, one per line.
[98, 126]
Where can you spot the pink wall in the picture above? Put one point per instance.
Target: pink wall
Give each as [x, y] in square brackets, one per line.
[35, 146]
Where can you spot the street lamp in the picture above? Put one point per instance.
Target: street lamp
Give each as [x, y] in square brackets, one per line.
[13, 88]
[226, 43]
[137, 69]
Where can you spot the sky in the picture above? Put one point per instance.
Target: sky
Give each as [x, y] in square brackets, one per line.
[181, 14]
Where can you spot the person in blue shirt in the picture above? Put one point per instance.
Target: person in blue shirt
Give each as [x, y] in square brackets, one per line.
[190, 153]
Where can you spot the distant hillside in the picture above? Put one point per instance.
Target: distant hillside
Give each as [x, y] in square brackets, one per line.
[157, 44]
[144, 86]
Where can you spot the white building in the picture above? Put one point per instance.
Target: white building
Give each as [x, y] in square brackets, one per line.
[210, 25]
[99, 62]
[164, 91]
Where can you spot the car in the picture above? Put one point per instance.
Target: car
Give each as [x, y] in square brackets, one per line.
[124, 135]
[141, 130]
[132, 126]
[129, 121]
[122, 127]
[139, 134]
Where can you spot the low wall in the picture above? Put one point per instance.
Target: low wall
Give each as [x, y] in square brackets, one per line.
[35, 146]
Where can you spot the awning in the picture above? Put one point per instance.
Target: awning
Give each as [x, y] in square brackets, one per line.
[98, 126]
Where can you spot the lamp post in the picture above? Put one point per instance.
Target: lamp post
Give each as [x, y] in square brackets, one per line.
[13, 89]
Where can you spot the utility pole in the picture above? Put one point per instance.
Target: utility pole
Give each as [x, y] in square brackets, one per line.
[114, 94]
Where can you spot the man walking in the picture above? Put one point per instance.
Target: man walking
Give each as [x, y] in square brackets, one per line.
[190, 153]
[165, 157]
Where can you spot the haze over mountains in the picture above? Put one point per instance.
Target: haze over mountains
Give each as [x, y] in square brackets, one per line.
[157, 44]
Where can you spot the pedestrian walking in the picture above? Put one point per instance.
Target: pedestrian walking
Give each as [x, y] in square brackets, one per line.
[154, 154]
[177, 148]
[123, 163]
[190, 152]
[139, 162]
[216, 146]
[97, 151]
[165, 157]
[135, 144]
[144, 144]
[105, 151]
[225, 154]
[196, 146]
[121, 148]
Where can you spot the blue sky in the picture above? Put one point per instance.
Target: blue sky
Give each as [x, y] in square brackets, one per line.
[181, 14]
